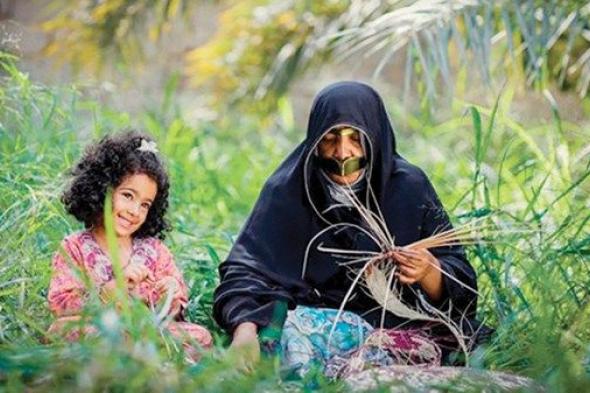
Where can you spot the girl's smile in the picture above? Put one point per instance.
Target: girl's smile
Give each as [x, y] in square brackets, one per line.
[132, 200]
[124, 222]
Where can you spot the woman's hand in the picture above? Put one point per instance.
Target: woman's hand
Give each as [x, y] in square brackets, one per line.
[414, 265]
[245, 345]
[420, 266]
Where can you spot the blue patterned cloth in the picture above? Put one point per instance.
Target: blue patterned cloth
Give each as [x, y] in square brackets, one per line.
[306, 342]
[367, 358]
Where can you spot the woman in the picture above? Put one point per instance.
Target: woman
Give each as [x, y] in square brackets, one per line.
[350, 147]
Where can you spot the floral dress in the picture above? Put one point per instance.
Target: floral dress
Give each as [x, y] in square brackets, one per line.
[83, 256]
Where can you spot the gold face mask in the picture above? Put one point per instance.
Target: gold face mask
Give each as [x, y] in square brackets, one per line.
[347, 166]
[343, 168]
[345, 131]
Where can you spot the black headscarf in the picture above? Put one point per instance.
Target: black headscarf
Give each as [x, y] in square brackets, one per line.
[264, 267]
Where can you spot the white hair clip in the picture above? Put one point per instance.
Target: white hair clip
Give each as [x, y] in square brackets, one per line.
[148, 146]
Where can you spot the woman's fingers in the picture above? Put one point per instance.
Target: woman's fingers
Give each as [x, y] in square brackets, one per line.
[411, 254]
[399, 257]
[245, 348]
[407, 260]
[404, 279]
[407, 275]
[411, 264]
[408, 271]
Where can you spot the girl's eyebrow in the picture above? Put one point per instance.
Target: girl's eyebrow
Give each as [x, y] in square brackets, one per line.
[129, 189]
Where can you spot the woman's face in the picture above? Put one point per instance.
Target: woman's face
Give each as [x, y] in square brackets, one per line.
[340, 144]
[132, 200]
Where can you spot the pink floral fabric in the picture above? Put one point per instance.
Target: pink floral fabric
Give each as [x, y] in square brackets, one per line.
[386, 347]
[81, 259]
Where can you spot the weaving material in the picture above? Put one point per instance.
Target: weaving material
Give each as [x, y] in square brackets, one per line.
[401, 379]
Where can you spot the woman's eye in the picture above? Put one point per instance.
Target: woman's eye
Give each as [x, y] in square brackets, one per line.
[127, 195]
[146, 205]
[330, 136]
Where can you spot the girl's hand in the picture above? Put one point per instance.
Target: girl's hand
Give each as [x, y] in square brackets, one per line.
[414, 264]
[169, 285]
[135, 273]
[166, 284]
[108, 291]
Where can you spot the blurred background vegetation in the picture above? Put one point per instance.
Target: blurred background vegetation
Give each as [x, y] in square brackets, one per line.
[489, 97]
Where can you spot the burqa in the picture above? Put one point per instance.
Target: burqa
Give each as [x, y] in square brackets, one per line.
[264, 267]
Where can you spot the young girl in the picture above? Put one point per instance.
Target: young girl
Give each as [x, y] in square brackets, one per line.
[129, 164]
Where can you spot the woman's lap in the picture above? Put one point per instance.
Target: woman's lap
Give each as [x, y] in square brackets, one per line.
[311, 339]
[366, 358]
[307, 340]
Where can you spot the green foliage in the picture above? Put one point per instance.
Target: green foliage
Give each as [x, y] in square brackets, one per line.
[90, 34]
[537, 41]
[260, 47]
[534, 285]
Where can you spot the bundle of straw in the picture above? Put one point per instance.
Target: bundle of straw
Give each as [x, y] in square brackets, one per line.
[377, 274]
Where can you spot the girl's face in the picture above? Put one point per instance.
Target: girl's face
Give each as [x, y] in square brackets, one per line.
[132, 200]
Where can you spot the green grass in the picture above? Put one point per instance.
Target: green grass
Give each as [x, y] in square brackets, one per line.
[534, 285]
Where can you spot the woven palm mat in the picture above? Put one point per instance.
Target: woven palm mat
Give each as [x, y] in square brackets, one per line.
[438, 379]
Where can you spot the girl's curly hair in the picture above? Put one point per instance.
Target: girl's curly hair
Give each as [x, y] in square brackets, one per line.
[106, 164]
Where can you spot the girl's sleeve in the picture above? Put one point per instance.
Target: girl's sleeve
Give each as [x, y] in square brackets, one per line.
[167, 270]
[67, 292]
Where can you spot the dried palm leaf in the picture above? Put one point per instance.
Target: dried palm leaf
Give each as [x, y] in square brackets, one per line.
[377, 273]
